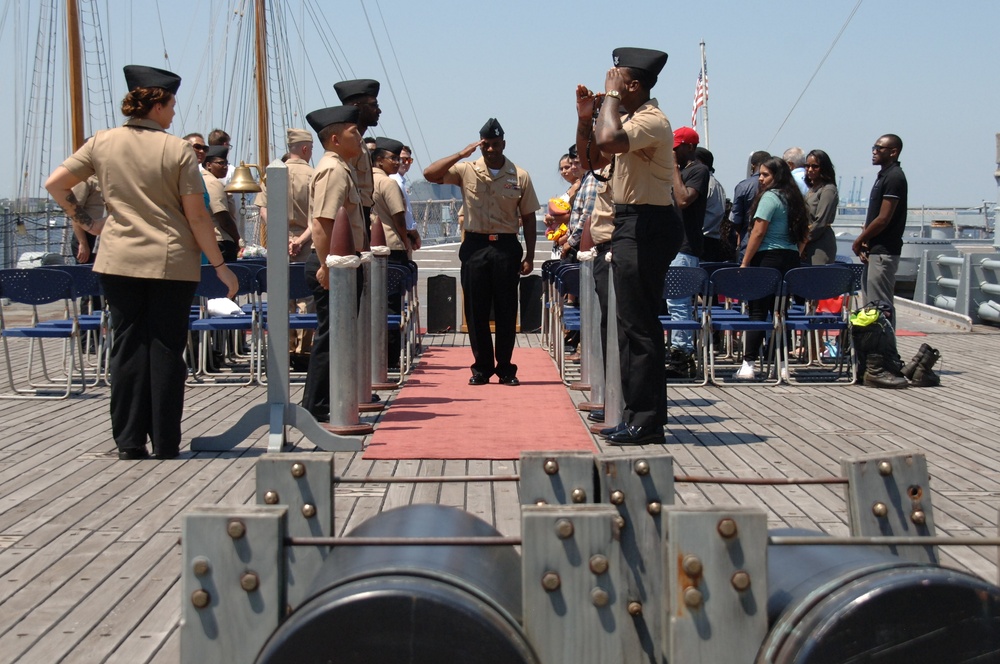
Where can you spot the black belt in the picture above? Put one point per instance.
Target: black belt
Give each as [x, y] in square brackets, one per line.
[636, 209]
[491, 237]
[604, 246]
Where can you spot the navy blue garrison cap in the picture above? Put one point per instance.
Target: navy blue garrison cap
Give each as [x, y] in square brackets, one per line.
[216, 152]
[389, 145]
[640, 58]
[349, 89]
[325, 117]
[491, 129]
[139, 76]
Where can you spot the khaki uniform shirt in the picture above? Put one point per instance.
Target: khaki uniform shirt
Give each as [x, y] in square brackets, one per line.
[218, 202]
[332, 187]
[143, 172]
[388, 200]
[494, 204]
[602, 219]
[300, 174]
[362, 166]
[645, 174]
[88, 194]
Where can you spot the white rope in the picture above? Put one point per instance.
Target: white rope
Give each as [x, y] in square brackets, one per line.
[381, 251]
[366, 257]
[584, 256]
[607, 258]
[343, 261]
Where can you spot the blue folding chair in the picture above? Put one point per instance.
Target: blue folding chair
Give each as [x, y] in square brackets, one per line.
[297, 290]
[548, 296]
[398, 283]
[37, 287]
[566, 317]
[815, 283]
[745, 284]
[94, 326]
[211, 287]
[688, 282]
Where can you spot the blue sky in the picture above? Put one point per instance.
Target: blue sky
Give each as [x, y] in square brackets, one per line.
[923, 70]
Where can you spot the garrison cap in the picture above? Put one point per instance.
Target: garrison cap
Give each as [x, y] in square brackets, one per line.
[491, 129]
[299, 136]
[325, 117]
[572, 152]
[389, 145]
[216, 152]
[139, 76]
[362, 86]
[640, 58]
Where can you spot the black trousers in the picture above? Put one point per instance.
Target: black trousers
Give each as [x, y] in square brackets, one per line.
[396, 257]
[646, 238]
[316, 391]
[601, 273]
[149, 318]
[490, 275]
[230, 250]
[782, 260]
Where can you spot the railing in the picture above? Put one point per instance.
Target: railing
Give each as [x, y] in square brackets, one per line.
[967, 284]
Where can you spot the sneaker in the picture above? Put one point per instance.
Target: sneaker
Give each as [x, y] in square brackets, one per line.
[681, 363]
[746, 372]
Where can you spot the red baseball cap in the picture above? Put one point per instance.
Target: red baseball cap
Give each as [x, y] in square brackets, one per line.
[685, 135]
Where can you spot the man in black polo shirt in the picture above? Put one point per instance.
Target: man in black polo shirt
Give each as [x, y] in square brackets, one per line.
[881, 241]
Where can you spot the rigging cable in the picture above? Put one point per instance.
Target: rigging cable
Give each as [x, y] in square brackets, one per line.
[818, 67]
[409, 99]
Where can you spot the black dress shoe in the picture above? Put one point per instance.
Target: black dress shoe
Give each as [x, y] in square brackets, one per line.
[633, 435]
[133, 453]
[510, 380]
[166, 454]
[478, 379]
[596, 415]
[376, 398]
[611, 430]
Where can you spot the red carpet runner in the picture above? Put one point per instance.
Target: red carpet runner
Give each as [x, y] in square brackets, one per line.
[438, 415]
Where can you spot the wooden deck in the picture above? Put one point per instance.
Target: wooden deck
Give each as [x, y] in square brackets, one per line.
[89, 552]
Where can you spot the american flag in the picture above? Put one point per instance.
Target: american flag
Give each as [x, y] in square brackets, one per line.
[700, 96]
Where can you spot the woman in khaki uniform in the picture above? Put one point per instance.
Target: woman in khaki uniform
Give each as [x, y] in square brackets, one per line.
[150, 258]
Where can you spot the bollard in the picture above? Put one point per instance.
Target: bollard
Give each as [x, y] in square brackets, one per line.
[588, 305]
[613, 404]
[595, 355]
[379, 315]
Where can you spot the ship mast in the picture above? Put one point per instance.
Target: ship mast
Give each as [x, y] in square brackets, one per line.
[263, 122]
[75, 60]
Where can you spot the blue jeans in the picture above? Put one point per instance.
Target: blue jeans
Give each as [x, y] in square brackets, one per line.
[680, 309]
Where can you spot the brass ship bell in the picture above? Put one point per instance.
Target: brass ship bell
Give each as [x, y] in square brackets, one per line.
[242, 181]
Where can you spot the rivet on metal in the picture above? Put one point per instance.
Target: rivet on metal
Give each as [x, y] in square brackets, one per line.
[740, 580]
[200, 598]
[564, 528]
[579, 496]
[880, 510]
[271, 498]
[691, 565]
[617, 497]
[884, 468]
[619, 521]
[541, 502]
[308, 511]
[201, 566]
[918, 517]
[551, 581]
[249, 582]
[727, 528]
[692, 597]
[551, 466]
[298, 470]
[654, 508]
[641, 468]
[599, 596]
[635, 608]
[236, 528]
[598, 564]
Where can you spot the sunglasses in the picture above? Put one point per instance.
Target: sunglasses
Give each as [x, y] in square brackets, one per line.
[406, 160]
[199, 146]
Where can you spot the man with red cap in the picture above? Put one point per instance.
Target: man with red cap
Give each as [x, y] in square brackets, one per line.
[647, 234]
[690, 194]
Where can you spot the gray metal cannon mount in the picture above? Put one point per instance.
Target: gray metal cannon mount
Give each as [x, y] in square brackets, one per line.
[610, 570]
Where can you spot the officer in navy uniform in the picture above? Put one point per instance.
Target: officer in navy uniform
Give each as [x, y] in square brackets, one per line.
[497, 197]
[362, 93]
[648, 230]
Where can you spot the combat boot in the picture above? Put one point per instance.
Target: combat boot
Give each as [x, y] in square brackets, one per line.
[924, 375]
[911, 366]
[878, 374]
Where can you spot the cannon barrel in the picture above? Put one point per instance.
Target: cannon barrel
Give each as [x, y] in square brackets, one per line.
[415, 604]
[840, 604]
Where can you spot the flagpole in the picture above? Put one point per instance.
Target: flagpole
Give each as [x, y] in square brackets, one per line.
[704, 108]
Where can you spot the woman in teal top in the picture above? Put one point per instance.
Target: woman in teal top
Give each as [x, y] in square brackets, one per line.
[777, 236]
